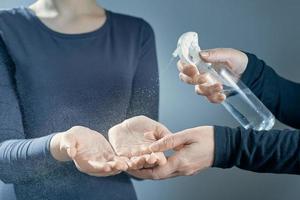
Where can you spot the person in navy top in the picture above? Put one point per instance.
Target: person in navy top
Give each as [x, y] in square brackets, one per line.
[70, 67]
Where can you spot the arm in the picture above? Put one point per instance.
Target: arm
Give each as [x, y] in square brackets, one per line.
[24, 159]
[145, 86]
[206, 146]
[278, 94]
[281, 96]
[20, 159]
[272, 151]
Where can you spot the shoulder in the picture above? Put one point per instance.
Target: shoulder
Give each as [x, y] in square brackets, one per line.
[12, 12]
[132, 23]
[13, 16]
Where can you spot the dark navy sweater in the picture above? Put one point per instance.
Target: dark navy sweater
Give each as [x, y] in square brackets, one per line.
[50, 81]
[274, 151]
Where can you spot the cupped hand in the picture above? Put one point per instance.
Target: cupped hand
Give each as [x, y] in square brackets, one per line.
[132, 139]
[89, 150]
[194, 151]
[233, 59]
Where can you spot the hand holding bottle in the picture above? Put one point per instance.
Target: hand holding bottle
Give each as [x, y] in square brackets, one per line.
[235, 60]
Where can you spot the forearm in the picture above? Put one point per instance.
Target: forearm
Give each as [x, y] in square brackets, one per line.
[281, 96]
[272, 151]
[26, 159]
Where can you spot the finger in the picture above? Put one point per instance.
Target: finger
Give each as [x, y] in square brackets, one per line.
[122, 163]
[137, 162]
[179, 147]
[167, 170]
[147, 165]
[216, 98]
[216, 55]
[96, 166]
[208, 90]
[159, 132]
[181, 65]
[151, 160]
[187, 69]
[150, 135]
[118, 165]
[133, 162]
[196, 80]
[186, 79]
[160, 172]
[104, 174]
[92, 167]
[160, 158]
[141, 162]
[142, 173]
[168, 142]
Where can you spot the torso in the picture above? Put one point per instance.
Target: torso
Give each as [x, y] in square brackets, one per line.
[65, 80]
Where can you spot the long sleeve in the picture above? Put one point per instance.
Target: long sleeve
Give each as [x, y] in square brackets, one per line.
[281, 96]
[145, 87]
[275, 151]
[20, 159]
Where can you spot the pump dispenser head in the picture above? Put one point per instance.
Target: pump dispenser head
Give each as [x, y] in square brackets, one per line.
[188, 48]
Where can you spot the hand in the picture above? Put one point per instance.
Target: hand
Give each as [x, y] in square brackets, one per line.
[89, 150]
[132, 139]
[235, 60]
[194, 151]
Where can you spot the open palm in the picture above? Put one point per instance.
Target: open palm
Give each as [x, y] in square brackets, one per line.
[132, 139]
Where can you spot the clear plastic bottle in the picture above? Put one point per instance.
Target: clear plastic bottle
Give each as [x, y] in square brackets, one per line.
[240, 102]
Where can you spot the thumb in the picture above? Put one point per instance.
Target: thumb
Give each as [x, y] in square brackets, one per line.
[215, 55]
[159, 132]
[68, 144]
[168, 142]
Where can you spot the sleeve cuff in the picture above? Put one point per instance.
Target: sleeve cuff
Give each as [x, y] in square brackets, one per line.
[253, 70]
[41, 155]
[220, 153]
[48, 154]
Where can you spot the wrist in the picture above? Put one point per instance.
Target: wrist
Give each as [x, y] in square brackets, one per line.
[205, 136]
[58, 153]
[208, 137]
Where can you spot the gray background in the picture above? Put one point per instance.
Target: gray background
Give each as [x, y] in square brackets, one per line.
[268, 28]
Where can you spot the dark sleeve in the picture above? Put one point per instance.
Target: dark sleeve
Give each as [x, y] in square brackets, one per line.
[20, 159]
[281, 96]
[275, 151]
[145, 87]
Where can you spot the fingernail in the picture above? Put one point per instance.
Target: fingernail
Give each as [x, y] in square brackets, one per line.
[204, 54]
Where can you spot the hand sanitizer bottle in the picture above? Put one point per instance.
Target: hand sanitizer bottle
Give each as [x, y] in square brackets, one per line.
[240, 102]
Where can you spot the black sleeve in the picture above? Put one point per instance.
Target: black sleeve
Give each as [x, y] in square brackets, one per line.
[281, 96]
[275, 151]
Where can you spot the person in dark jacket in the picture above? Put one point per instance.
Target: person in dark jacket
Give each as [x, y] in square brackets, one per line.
[274, 151]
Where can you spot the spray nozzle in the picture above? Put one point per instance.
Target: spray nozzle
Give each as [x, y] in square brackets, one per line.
[188, 48]
[188, 51]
